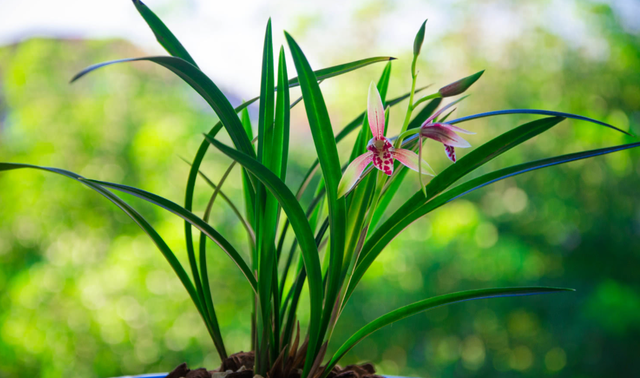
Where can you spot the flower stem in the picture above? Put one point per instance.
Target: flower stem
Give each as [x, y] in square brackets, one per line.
[425, 98]
[381, 180]
[414, 76]
[422, 186]
[401, 137]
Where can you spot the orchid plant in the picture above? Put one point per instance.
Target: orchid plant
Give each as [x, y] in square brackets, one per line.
[333, 248]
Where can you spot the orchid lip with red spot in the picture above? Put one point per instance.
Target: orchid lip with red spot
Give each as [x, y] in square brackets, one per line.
[380, 150]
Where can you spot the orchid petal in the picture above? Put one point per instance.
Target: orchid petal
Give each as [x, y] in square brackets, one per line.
[410, 160]
[437, 114]
[456, 129]
[375, 112]
[444, 135]
[353, 172]
[451, 152]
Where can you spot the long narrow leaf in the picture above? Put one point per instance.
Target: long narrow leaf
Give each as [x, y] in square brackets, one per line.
[164, 36]
[340, 69]
[202, 84]
[429, 304]
[321, 74]
[234, 208]
[501, 174]
[326, 148]
[476, 158]
[266, 209]
[213, 329]
[534, 111]
[282, 117]
[191, 218]
[300, 226]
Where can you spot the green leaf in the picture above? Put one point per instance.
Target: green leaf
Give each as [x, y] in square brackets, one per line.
[266, 207]
[247, 188]
[282, 120]
[204, 290]
[234, 208]
[534, 111]
[353, 125]
[340, 69]
[431, 303]
[195, 166]
[489, 151]
[326, 148]
[425, 113]
[300, 226]
[504, 173]
[212, 328]
[279, 153]
[206, 88]
[476, 158]
[321, 74]
[162, 33]
[191, 218]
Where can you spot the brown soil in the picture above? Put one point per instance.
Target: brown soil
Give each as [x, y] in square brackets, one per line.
[240, 365]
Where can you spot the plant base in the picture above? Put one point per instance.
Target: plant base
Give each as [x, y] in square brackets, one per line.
[240, 365]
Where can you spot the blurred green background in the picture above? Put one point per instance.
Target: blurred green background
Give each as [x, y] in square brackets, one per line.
[84, 293]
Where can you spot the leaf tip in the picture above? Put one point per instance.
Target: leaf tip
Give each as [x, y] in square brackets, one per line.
[76, 77]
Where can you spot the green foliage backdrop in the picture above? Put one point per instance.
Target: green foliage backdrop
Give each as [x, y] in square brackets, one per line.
[84, 294]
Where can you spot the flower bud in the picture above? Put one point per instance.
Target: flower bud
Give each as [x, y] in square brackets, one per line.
[459, 86]
[417, 42]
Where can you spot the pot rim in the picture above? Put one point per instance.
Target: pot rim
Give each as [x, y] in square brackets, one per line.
[163, 375]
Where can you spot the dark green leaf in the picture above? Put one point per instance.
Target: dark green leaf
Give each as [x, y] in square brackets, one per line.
[298, 222]
[205, 87]
[504, 173]
[340, 69]
[476, 158]
[212, 328]
[266, 208]
[534, 111]
[327, 151]
[431, 303]
[191, 218]
[162, 33]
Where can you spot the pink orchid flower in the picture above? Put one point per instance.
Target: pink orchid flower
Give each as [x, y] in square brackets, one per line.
[445, 133]
[380, 150]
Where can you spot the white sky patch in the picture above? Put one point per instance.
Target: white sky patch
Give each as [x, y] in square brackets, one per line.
[226, 37]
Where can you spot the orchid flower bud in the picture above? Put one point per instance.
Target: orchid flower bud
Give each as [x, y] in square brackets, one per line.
[417, 42]
[459, 86]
